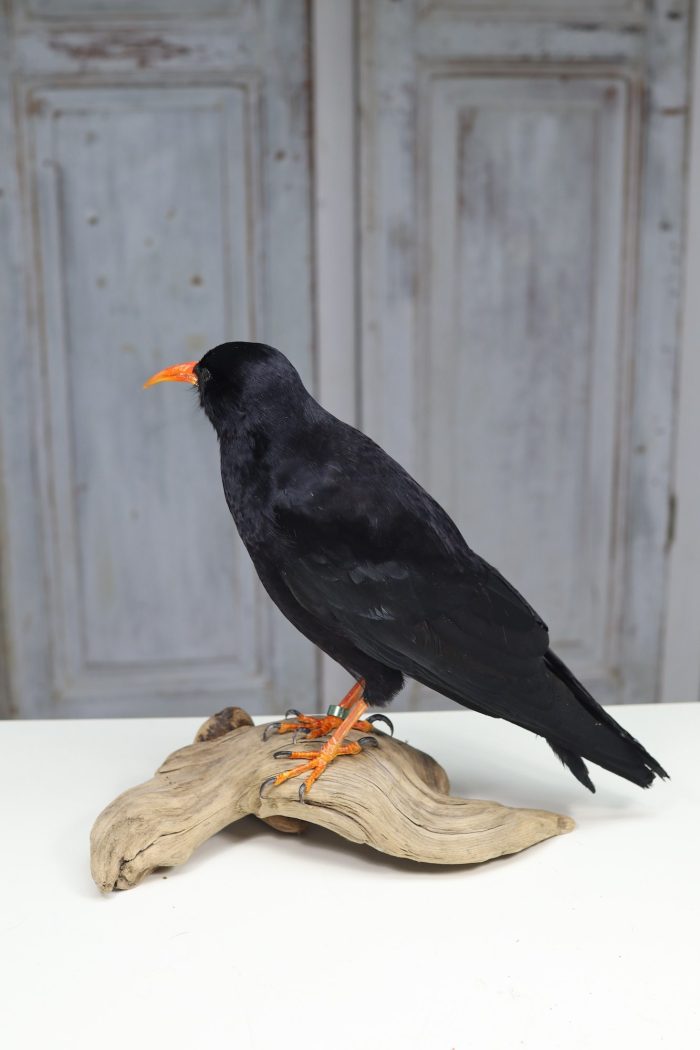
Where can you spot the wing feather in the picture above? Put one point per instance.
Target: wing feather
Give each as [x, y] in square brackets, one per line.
[392, 573]
[465, 632]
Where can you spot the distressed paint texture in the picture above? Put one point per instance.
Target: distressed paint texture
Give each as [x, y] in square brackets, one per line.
[523, 314]
[111, 9]
[521, 210]
[157, 169]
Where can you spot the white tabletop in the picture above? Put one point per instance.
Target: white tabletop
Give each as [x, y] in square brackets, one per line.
[587, 940]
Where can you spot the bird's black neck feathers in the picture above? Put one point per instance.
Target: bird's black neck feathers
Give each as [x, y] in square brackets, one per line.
[262, 414]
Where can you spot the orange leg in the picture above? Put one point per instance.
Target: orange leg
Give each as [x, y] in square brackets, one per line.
[311, 727]
[314, 763]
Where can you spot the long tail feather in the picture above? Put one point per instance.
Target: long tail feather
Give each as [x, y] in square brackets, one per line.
[575, 763]
[615, 749]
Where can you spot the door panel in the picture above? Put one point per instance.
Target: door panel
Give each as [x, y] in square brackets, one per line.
[152, 192]
[127, 289]
[520, 298]
[523, 309]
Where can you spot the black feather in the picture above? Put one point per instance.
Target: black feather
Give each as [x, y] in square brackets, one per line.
[618, 752]
[575, 763]
[372, 570]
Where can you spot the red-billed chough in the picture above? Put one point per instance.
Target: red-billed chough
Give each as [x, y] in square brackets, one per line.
[376, 574]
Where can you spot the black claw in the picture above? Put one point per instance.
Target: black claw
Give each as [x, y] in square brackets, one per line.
[302, 730]
[268, 729]
[302, 792]
[292, 713]
[381, 718]
[282, 754]
[265, 783]
[368, 741]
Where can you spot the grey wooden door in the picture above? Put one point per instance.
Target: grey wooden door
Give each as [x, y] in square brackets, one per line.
[155, 202]
[521, 216]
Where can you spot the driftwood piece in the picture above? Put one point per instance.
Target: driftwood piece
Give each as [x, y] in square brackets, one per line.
[393, 798]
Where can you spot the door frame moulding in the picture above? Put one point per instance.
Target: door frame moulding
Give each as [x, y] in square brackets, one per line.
[335, 231]
[680, 669]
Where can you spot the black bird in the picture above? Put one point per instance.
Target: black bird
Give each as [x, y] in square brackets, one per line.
[374, 572]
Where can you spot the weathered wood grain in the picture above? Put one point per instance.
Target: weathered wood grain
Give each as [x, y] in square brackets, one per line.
[162, 148]
[521, 224]
[393, 798]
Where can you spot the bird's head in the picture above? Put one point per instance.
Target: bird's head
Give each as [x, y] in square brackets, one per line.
[236, 379]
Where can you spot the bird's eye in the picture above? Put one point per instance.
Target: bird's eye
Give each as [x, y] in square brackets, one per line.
[203, 375]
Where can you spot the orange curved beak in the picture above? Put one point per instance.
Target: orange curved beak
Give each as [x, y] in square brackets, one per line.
[174, 374]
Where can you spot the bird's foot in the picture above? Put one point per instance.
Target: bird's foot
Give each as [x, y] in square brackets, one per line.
[315, 763]
[311, 727]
